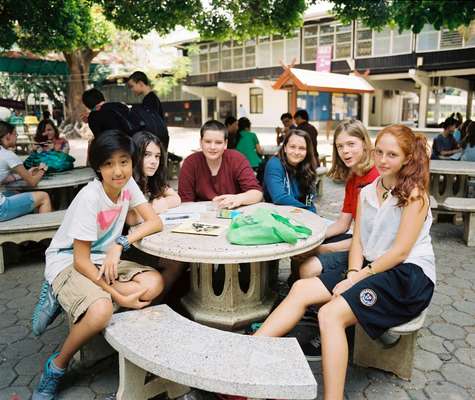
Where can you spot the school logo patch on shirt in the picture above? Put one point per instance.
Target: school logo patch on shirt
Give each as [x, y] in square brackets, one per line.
[368, 297]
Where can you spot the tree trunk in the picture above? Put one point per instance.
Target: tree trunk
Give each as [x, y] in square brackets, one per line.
[79, 62]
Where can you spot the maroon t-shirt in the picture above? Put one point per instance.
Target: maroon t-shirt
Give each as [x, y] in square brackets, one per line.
[235, 176]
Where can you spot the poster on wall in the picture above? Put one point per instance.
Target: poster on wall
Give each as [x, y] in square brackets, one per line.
[324, 59]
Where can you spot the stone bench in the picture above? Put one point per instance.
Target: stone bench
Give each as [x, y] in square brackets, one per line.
[182, 354]
[398, 359]
[467, 207]
[33, 227]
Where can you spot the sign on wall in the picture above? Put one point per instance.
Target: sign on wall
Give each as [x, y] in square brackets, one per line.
[324, 58]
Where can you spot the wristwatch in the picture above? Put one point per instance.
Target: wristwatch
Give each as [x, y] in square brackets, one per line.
[124, 242]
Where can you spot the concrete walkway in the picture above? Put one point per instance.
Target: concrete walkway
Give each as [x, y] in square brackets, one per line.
[444, 362]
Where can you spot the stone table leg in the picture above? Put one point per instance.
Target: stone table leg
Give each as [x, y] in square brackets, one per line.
[233, 308]
[469, 228]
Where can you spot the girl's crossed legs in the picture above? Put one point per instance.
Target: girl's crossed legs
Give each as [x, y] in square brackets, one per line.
[334, 317]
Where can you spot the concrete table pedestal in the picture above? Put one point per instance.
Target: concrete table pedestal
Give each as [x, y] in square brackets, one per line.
[232, 307]
[242, 293]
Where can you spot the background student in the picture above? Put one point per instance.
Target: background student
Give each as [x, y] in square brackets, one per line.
[47, 137]
[139, 84]
[11, 168]
[247, 143]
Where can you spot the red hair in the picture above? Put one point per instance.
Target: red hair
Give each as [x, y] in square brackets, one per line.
[415, 173]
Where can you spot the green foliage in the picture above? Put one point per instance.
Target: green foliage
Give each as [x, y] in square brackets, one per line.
[53, 25]
[220, 19]
[406, 14]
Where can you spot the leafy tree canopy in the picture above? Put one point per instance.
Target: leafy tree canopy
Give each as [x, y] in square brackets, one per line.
[407, 14]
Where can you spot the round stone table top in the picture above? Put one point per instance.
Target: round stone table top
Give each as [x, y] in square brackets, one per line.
[452, 167]
[217, 249]
[73, 177]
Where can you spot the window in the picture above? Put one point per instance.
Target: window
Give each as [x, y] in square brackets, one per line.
[336, 35]
[263, 52]
[292, 47]
[277, 49]
[213, 57]
[364, 38]
[226, 57]
[250, 54]
[430, 39]
[450, 39]
[256, 100]
[238, 55]
[427, 39]
[371, 43]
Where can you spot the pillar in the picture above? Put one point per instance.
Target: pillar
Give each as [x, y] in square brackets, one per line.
[204, 109]
[423, 102]
[468, 113]
[365, 109]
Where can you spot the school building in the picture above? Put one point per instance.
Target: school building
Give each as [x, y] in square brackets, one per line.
[417, 79]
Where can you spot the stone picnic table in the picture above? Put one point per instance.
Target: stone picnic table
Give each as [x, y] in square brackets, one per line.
[449, 178]
[244, 294]
[62, 186]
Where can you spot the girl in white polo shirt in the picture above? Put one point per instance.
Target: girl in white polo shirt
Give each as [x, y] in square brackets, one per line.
[390, 274]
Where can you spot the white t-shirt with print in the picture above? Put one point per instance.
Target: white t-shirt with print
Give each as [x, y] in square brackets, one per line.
[92, 217]
[8, 161]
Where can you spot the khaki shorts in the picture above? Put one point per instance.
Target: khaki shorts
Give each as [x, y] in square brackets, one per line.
[76, 293]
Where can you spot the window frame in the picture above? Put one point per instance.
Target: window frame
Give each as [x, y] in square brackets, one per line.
[257, 103]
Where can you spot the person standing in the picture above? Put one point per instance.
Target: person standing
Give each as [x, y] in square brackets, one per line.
[301, 119]
[139, 84]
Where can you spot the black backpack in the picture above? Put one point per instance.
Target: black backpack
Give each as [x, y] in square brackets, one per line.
[143, 119]
[140, 118]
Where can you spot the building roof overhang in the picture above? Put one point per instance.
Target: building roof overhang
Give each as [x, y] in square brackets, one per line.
[315, 81]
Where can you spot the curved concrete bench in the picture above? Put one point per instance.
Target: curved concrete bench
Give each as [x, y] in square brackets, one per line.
[183, 354]
[467, 207]
[34, 227]
[397, 359]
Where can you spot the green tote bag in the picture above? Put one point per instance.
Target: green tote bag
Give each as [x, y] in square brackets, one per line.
[265, 226]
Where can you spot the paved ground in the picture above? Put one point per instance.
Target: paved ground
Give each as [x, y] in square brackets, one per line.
[444, 362]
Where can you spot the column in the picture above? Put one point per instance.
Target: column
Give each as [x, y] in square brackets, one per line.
[423, 102]
[468, 113]
[204, 109]
[365, 109]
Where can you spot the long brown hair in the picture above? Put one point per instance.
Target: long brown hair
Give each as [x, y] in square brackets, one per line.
[415, 173]
[40, 130]
[156, 185]
[306, 171]
[352, 127]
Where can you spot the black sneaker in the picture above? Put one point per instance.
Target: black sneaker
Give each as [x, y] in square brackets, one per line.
[312, 349]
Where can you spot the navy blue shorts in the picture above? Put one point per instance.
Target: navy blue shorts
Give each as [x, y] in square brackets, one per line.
[384, 300]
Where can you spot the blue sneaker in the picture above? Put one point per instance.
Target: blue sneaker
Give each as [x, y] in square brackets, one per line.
[46, 310]
[48, 386]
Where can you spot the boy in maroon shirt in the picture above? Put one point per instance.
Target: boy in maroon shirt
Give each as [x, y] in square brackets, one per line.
[218, 174]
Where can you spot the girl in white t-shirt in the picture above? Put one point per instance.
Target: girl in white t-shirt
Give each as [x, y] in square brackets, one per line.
[85, 271]
[11, 169]
[390, 272]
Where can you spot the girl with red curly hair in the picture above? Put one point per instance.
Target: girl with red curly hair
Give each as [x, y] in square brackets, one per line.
[389, 276]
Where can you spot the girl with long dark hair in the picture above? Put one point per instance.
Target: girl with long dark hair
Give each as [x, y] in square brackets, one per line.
[289, 177]
[150, 172]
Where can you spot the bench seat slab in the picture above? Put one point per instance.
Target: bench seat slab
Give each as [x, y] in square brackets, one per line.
[162, 342]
